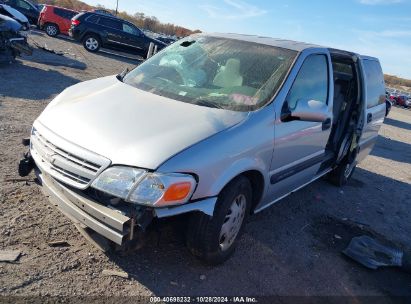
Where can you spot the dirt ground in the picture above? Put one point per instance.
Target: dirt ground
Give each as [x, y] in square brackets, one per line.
[291, 249]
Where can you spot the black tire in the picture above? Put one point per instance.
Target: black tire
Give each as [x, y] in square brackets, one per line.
[51, 29]
[342, 173]
[203, 231]
[92, 43]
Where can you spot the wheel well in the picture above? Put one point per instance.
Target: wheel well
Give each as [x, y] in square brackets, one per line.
[51, 23]
[88, 34]
[257, 183]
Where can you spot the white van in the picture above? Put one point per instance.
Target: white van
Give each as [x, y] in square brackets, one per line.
[217, 126]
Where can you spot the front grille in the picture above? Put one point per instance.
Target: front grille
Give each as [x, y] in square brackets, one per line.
[64, 165]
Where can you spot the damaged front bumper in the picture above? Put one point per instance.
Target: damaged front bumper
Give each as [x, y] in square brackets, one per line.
[59, 172]
[114, 224]
[108, 222]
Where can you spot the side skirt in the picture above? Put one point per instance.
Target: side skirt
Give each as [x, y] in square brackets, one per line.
[319, 175]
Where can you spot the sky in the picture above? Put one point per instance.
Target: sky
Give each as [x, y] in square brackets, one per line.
[380, 28]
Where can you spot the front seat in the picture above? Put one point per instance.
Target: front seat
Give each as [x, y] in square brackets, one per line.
[229, 75]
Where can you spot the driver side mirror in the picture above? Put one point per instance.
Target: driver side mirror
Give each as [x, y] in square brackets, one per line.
[307, 110]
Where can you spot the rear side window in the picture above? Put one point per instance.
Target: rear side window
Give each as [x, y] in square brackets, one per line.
[130, 29]
[374, 83]
[92, 19]
[64, 13]
[111, 23]
[311, 82]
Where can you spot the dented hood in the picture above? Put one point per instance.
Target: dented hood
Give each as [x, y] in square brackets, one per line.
[15, 14]
[130, 126]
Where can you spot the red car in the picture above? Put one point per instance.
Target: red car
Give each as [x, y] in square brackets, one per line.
[55, 20]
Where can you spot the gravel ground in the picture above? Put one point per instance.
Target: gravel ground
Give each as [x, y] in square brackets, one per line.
[291, 249]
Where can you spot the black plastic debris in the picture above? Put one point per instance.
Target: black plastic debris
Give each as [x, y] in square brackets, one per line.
[25, 141]
[26, 165]
[373, 254]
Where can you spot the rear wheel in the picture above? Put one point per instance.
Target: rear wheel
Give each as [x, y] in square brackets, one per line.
[342, 173]
[92, 43]
[52, 29]
[213, 239]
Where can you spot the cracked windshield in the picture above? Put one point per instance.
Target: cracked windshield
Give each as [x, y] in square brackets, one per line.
[215, 72]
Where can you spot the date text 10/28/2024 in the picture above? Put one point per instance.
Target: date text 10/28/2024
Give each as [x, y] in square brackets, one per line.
[203, 300]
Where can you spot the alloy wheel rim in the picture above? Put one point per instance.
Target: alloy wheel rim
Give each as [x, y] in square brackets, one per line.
[51, 30]
[232, 222]
[91, 43]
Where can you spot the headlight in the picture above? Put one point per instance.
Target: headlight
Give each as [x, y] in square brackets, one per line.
[118, 181]
[141, 187]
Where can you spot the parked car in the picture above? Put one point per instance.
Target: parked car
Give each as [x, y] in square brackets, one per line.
[25, 7]
[216, 127]
[407, 102]
[12, 41]
[55, 20]
[7, 10]
[97, 30]
[401, 100]
[167, 40]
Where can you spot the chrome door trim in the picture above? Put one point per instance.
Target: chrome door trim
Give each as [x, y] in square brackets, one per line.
[126, 44]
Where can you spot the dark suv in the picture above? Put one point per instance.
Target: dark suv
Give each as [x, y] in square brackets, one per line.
[97, 30]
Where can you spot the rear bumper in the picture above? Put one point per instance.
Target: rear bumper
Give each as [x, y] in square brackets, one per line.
[74, 33]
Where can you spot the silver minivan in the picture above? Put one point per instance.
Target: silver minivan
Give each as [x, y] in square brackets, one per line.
[216, 127]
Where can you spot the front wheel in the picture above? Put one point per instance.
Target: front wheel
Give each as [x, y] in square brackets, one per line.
[213, 239]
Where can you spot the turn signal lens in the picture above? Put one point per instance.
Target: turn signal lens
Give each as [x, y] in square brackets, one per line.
[177, 192]
[160, 190]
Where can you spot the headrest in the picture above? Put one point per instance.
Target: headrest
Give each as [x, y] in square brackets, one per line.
[232, 66]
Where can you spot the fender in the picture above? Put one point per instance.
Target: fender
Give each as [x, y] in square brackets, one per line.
[237, 168]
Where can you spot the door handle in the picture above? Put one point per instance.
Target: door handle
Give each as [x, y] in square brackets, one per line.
[369, 117]
[327, 124]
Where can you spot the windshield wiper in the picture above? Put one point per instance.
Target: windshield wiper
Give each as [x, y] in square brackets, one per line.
[207, 103]
[122, 74]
